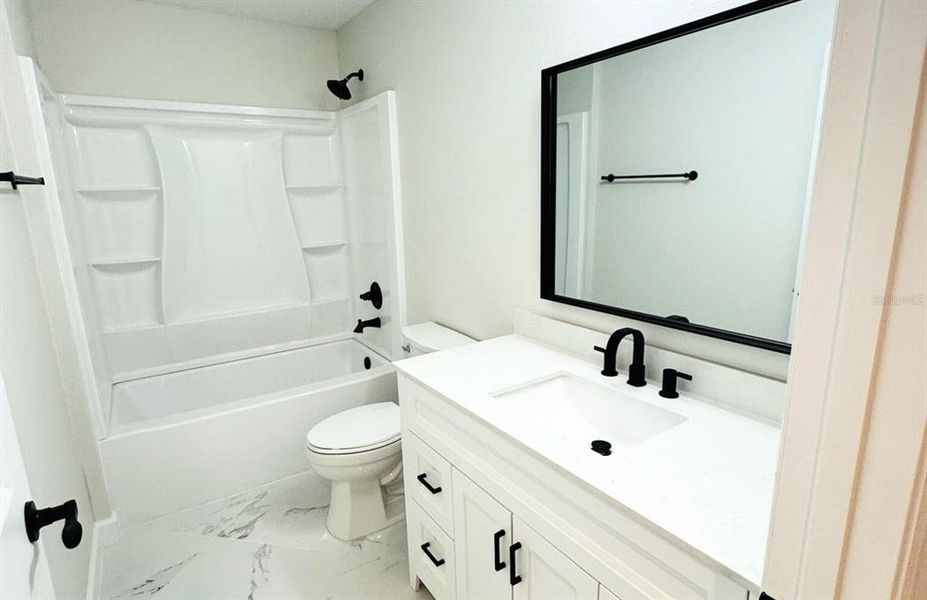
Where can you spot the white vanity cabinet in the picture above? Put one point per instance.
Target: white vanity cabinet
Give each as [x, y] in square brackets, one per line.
[490, 519]
[544, 572]
[500, 557]
[483, 533]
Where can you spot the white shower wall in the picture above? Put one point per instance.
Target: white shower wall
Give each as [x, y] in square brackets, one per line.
[203, 233]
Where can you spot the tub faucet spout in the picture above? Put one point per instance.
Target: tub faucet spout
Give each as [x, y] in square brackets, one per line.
[361, 324]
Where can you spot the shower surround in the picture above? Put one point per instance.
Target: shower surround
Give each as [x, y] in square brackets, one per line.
[207, 244]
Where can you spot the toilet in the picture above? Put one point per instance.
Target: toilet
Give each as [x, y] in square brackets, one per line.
[359, 450]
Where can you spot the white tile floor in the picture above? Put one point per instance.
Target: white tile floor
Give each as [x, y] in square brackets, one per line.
[267, 543]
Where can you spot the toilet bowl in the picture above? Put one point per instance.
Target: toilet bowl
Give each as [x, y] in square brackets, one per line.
[358, 450]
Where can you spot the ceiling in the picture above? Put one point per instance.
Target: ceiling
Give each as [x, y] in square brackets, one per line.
[318, 14]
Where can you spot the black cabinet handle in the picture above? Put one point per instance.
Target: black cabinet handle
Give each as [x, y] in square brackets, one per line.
[497, 551]
[437, 561]
[428, 486]
[514, 577]
[17, 180]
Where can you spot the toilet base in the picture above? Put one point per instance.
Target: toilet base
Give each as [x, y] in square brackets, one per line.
[357, 509]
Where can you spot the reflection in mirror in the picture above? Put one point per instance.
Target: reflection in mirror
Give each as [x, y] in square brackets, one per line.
[738, 104]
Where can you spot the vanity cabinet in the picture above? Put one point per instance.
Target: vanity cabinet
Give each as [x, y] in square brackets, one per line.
[500, 557]
[544, 572]
[483, 530]
[488, 519]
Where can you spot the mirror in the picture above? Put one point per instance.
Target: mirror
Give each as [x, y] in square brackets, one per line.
[677, 172]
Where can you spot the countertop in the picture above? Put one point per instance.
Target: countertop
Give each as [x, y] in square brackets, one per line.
[707, 482]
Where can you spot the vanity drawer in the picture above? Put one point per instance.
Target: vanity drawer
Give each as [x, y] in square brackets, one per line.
[428, 481]
[431, 553]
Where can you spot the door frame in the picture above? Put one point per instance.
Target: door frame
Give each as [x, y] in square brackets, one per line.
[575, 276]
[868, 119]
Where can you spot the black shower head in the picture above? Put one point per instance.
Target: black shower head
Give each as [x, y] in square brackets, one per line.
[339, 87]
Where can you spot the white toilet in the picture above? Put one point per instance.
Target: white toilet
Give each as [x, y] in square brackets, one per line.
[359, 451]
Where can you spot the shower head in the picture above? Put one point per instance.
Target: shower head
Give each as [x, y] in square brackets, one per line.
[339, 87]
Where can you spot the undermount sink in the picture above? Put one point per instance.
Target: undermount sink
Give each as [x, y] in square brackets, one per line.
[579, 409]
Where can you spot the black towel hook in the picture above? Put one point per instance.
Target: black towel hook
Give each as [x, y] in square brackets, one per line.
[17, 180]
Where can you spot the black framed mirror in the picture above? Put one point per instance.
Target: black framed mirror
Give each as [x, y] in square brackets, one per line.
[676, 172]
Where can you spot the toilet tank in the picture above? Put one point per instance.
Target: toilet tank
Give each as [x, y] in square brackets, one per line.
[429, 336]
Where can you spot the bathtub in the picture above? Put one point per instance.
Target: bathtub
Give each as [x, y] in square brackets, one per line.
[183, 439]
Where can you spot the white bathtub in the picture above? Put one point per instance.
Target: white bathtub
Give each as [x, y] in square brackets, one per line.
[186, 438]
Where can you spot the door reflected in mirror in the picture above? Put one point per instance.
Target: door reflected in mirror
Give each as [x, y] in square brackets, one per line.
[678, 172]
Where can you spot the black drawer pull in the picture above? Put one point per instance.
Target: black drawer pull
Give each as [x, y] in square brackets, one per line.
[514, 578]
[428, 486]
[17, 180]
[437, 561]
[497, 551]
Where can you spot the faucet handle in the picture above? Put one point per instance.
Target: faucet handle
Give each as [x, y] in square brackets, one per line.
[669, 382]
[608, 371]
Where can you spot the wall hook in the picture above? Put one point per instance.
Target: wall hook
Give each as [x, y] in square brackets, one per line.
[36, 519]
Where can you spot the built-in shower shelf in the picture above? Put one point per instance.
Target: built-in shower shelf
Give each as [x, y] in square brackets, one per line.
[115, 262]
[116, 189]
[328, 244]
[136, 327]
[313, 187]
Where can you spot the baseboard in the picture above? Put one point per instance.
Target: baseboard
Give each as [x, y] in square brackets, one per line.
[103, 533]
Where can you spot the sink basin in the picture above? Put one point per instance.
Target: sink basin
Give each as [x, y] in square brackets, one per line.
[575, 408]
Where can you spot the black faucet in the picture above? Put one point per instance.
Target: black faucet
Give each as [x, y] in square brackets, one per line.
[636, 370]
[361, 325]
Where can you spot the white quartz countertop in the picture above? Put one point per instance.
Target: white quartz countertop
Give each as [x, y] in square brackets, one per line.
[707, 482]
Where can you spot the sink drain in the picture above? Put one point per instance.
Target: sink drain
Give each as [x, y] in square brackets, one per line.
[602, 447]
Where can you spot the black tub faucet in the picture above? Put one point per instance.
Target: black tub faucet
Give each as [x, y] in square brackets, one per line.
[636, 370]
[361, 324]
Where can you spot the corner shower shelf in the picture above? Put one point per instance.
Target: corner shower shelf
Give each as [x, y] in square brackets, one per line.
[115, 262]
[116, 189]
[313, 186]
[141, 326]
[329, 244]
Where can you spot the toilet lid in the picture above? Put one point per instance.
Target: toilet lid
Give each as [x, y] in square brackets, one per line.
[430, 337]
[360, 428]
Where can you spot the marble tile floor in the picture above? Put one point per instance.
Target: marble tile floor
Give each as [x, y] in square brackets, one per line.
[267, 543]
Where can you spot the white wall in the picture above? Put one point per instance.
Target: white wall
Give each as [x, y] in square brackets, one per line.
[134, 49]
[721, 250]
[467, 76]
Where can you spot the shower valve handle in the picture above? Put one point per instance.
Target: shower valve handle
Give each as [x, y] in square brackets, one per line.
[374, 295]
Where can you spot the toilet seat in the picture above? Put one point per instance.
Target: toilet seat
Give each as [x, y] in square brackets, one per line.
[359, 429]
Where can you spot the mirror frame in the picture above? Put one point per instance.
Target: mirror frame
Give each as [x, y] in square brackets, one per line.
[549, 164]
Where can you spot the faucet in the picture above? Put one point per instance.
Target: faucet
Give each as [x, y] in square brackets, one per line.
[361, 325]
[636, 370]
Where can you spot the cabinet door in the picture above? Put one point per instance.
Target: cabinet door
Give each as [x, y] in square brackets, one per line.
[545, 572]
[482, 535]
